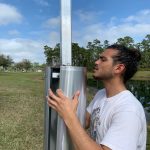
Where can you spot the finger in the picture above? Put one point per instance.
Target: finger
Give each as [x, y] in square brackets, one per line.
[60, 93]
[51, 102]
[76, 95]
[52, 95]
[50, 105]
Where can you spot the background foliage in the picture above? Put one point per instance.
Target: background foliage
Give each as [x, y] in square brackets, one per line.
[86, 56]
[81, 56]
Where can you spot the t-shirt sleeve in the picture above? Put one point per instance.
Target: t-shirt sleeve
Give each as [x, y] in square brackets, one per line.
[98, 96]
[89, 108]
[123, 132]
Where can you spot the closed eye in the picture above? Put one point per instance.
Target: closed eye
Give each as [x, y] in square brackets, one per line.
[102, 58]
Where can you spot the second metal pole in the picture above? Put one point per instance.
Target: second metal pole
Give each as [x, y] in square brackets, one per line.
[71, 79]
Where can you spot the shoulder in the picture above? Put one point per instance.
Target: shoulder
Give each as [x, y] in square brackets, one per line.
[100, 93]
[127, 102]
[97, 99]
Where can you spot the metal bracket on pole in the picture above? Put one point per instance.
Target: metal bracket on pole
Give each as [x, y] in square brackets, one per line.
[66, 52]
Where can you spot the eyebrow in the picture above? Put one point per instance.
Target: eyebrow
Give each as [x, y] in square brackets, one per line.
[101, 57]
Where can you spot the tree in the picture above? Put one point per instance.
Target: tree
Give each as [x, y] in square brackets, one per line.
[77, 55]
[48, 54]
[5, 61]
[145, 48]
[94, 49]
[52, 54]
[106, 44]
[80, 55]
[19, 66]
[126, 41]
[24, 65]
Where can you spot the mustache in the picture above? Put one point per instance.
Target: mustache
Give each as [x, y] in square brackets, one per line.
[95, 67]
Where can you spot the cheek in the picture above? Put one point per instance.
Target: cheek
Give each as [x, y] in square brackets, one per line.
[106, 68]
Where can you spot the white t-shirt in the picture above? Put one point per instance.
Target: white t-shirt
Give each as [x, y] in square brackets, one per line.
[118, 122]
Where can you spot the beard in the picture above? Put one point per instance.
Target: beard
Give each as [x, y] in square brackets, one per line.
[103, 76]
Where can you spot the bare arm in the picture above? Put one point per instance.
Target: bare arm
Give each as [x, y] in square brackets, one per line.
[87, 120]
[79, 136]
[67, 110]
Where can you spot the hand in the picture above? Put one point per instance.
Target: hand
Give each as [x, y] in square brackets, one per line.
[62, 104]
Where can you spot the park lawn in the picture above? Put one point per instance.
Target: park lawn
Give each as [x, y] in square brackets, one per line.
[142, 75]
[22, 111]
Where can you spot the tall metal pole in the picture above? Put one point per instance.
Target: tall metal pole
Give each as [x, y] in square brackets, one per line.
[66, 40]
[69, 79]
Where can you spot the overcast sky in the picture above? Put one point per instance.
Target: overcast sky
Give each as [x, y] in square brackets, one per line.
[27, 25]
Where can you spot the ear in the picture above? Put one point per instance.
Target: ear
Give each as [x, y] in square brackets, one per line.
[119, 68]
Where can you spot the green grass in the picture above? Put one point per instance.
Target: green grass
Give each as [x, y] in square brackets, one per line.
[142, 75]
[21, 111]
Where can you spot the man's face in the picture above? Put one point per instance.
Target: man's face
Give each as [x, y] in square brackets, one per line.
[104, 66]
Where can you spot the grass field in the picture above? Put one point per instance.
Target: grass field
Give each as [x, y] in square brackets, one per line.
[22, 111]
[142, 75]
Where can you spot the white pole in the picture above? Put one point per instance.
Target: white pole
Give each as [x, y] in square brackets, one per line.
[66, 50]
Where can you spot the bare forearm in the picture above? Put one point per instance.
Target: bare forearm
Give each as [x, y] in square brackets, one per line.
[79, 136]
[66, 108]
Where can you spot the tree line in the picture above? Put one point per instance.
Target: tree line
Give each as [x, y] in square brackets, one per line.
[81, 56]
[86, 56]
[7, 64]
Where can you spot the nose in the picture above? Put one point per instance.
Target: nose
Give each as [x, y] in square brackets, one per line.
[97, 62]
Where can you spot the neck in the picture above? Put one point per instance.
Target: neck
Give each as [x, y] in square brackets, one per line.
[114, 87]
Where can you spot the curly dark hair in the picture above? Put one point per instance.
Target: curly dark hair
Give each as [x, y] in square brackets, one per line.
[130, 57]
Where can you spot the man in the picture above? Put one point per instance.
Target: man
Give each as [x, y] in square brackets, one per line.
[116, 118]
